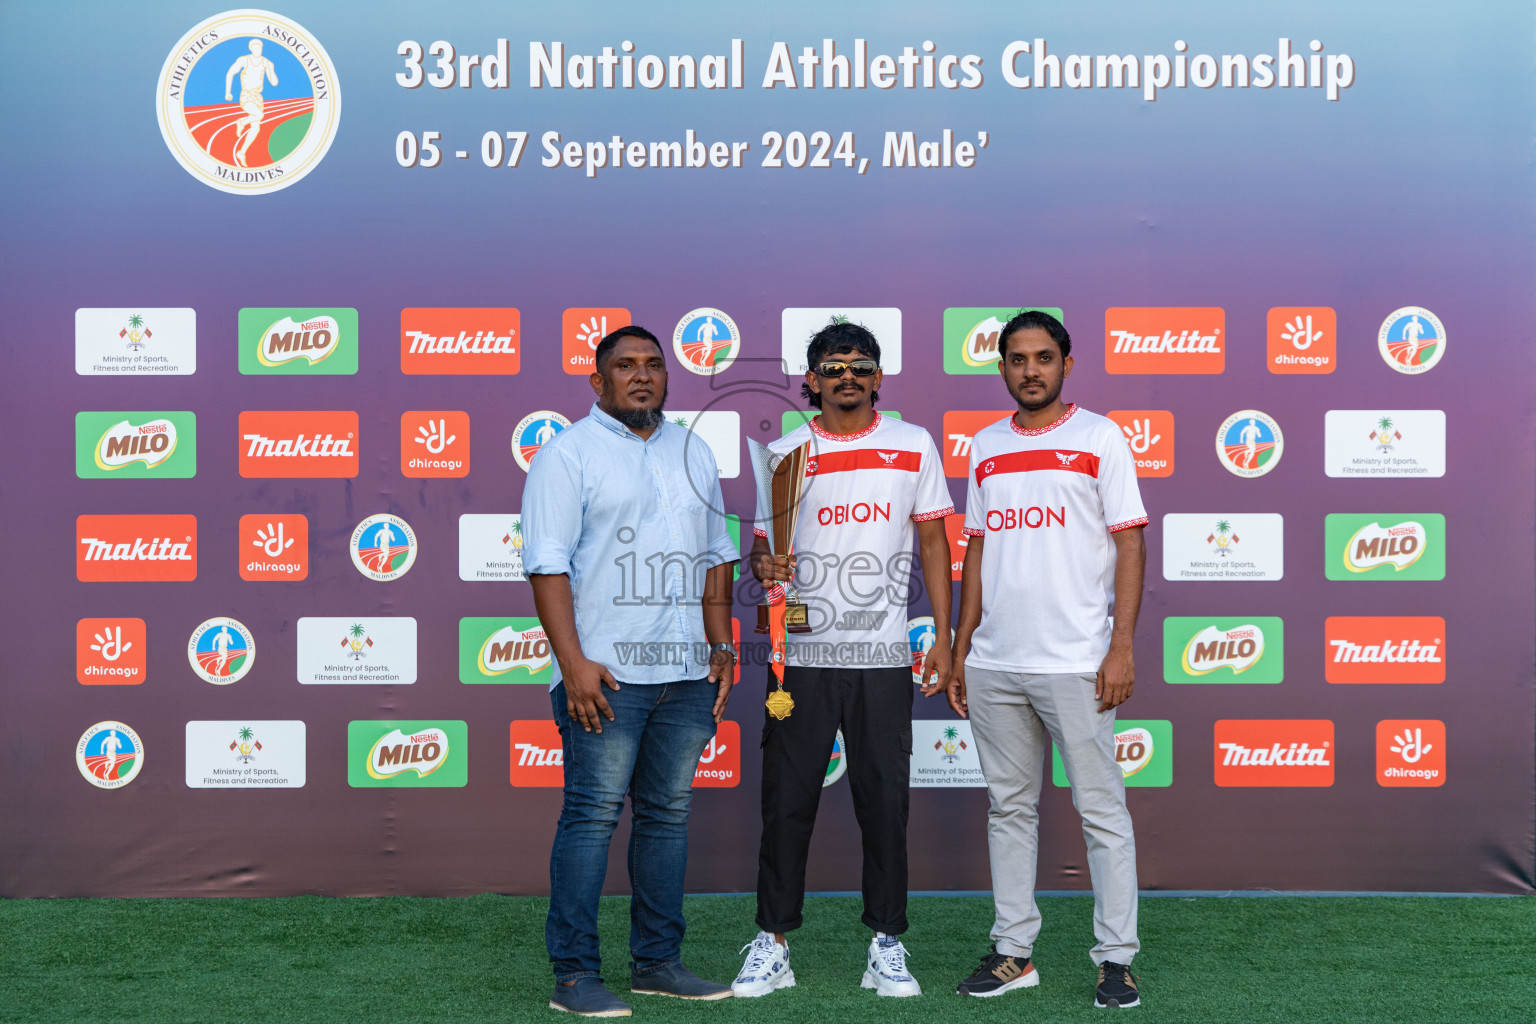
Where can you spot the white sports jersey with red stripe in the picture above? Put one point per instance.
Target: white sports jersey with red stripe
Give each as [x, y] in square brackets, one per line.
[1047, 501]
[862, 494]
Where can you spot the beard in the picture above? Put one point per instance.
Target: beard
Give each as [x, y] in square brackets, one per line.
[1046, 398]
[637, 419]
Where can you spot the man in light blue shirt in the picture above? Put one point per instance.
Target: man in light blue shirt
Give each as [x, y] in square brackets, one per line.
[626, 547]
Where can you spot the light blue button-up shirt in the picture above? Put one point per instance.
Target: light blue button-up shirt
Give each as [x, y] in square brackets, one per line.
[635, 523]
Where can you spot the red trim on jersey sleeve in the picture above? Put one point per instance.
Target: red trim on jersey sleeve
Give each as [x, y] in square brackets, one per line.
[923, 517]
[1037, 431]
[1070, 461]
[816, 428]
[971, 531]
[1127, 525]
[862, 458]
[759, 533]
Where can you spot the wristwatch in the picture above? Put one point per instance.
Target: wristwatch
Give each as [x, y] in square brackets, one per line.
[727, 648]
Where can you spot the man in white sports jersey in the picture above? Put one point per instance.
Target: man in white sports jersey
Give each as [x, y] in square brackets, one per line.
[869, 479]
[1055, 524]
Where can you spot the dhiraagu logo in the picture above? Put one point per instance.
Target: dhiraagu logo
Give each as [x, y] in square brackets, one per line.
[1223, 650]
[1143, 750]
[504, 650]
[298, 341]
[1385, 547]
[130, 445]
[971, 334]
[407, 754]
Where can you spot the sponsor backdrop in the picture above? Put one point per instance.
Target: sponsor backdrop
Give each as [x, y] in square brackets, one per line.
[306, 291]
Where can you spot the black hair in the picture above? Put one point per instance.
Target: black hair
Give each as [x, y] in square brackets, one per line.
[838, 336]
[1039, 319]
[606, 346]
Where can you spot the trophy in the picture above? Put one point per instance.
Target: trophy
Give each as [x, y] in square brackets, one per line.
[781, 479]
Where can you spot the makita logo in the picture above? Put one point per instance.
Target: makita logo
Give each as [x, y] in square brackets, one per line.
[259, 446]
[1165, 339]
[481, 343]
[1295, 755]
[530, 756]
[1404, 652]
[1274, 752]
[1185, 341]
[452, 340]
[298, 444]
[136, 548]
[1385, 649]
[155, 549]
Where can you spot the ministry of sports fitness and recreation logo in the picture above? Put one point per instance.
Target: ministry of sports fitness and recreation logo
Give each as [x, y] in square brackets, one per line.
[248, 102]
[533, 432]
[1249, 443]
[1411, 340]
[109, 755]
[383, 547]
[221, 651]
[706, 341]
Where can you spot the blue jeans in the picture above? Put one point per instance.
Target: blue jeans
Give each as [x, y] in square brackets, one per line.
[650, 750]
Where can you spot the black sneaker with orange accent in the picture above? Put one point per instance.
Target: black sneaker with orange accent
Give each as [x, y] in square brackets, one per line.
[999, 973]
[1117, 987]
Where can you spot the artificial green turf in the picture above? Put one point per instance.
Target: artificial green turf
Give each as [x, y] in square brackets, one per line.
[482, 959]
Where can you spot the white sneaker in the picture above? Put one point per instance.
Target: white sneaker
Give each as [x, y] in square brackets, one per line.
[887, 971]
[766, 969]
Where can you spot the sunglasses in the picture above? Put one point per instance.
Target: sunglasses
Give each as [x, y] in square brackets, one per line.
[860, 368]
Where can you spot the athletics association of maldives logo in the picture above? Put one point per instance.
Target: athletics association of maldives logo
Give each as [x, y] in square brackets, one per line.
[1411, 340]
[706, 341]
[383, 547]
[221, 651]
[109, 755]
[533, 432]
[248, 102]
[1249, 443]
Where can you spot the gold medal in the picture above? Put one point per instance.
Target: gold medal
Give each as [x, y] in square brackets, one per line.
[780, 703]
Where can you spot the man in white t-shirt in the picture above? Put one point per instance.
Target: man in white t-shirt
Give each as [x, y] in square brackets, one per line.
[1048, 602]
[868, 479]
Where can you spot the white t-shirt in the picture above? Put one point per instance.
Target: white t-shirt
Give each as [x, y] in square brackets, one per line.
[1047, 500]
[853, 541]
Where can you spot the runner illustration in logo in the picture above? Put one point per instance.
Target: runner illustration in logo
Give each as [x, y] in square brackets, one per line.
[1249, 443]
[545, 433]
[268, 132]
[221, 643]
[110, 745]
[1413, 330]
[255, 70]
[384, 536]
[374, 551]
[706, 340]
[1250, 435]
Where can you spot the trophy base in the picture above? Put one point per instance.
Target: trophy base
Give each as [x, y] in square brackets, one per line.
[796, 618]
